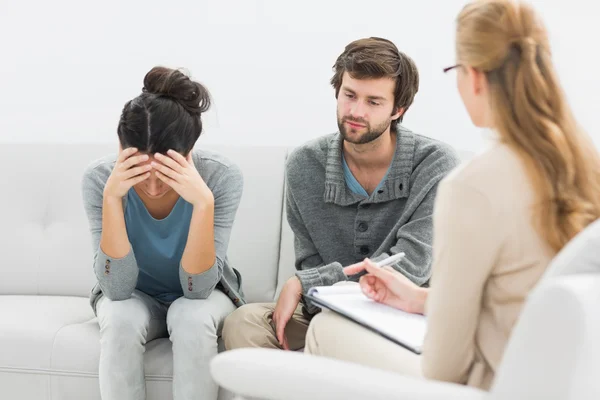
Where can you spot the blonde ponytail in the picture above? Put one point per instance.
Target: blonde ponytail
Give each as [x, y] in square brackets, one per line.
[506, 40]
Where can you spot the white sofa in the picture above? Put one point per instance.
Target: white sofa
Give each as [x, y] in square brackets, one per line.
[49, 337]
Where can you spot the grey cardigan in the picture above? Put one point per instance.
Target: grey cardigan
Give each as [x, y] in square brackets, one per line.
[117, 278]
[334, 227]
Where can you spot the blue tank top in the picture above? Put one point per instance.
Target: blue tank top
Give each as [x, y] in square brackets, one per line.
[158, 246]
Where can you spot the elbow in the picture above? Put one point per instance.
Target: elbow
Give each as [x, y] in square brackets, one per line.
[116, 294]
[117, 287]
[199, 294]
[444, 362]
[423, 278]
[200, 286]
[419, 275]
[445, 376]
[439, 371]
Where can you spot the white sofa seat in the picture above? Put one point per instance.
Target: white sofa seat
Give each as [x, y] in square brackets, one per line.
[33, 327]
[56, 340]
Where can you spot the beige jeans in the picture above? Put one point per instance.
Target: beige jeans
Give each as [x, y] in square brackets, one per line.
[252, 326]
[331, 335]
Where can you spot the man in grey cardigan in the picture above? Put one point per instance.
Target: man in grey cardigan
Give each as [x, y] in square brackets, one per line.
[367, 191]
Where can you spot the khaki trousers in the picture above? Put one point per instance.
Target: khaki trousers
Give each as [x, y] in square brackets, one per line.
[252, 326]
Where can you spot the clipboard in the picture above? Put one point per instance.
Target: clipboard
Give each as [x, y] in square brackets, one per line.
[414, 346]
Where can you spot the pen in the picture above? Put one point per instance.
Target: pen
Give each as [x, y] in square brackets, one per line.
[390, 260]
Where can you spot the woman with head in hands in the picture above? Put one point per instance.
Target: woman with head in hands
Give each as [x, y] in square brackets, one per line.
[160, 215]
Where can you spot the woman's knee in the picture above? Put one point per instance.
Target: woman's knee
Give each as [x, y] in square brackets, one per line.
[192, 317]
[322, 327]
[124, 317]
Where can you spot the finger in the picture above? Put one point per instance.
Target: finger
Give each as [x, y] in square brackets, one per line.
[378, 297]
[364, 286]
[133, 172]
[189, 158]
[178, 157]
[354, 269]
[140, 178]
[134, 160]
[367, 285]
[163, 169]
[379, 291]
[286, 346]
[169, 162]
[379, 272]
[166, 179]
[281, 331]
[123, 155]
[367, 280]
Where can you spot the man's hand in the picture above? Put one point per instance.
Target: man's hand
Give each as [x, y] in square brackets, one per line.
[285, 307]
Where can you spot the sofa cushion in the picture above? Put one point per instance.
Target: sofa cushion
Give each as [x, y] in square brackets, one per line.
[51, 344]
[58, 339]
[30, 326]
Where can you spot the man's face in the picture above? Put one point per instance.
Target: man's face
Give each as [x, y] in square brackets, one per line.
[365, 108]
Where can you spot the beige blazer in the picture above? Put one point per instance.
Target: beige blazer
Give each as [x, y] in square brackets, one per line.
[487, 257]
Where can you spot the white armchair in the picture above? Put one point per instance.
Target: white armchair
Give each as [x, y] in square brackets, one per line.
[554, 353]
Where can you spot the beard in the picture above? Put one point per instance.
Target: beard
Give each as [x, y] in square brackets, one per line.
[350, 134]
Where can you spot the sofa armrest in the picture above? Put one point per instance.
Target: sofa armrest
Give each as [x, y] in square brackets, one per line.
[278, 375]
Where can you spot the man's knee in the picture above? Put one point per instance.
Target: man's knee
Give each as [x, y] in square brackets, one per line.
[247, 326]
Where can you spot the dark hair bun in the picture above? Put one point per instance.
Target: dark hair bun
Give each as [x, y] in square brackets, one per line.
[174, 84]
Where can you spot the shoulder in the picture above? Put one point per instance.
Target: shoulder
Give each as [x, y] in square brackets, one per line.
[499, 161]
[312, 152]
[432, 160]
[217, 170]
[97, 172]
[497, 174]
[310, 158]
[434, 155]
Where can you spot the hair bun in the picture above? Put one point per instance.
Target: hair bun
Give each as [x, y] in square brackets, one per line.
[172, 83]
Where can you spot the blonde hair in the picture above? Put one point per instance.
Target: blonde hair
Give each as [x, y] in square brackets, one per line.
[507, 41]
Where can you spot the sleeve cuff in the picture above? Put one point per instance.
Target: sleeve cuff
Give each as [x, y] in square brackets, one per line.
[199, 286]
[117, 277]
[326, 275]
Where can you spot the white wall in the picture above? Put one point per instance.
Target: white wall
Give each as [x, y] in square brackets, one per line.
[69, 66]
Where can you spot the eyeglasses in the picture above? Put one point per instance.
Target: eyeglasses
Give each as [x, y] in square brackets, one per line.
[451, 68]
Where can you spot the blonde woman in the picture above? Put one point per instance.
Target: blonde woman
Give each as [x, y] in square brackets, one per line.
[498, 220]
